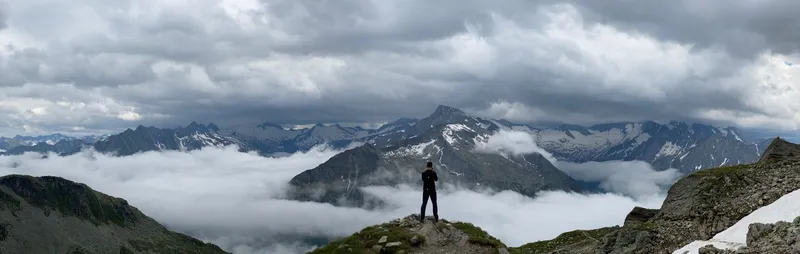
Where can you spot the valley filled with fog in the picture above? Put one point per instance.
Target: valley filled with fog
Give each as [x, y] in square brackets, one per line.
[237, 200]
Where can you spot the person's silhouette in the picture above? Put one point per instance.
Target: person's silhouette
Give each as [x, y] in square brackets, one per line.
[429, 179]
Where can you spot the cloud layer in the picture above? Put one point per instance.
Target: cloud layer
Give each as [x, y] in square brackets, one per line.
[90, 66]
[631, 178]
[234, 199]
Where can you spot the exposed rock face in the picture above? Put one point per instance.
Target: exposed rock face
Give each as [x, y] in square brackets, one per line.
[705, 203]
[54, 215]
[409, 235]
[638, 216]
[779, 150]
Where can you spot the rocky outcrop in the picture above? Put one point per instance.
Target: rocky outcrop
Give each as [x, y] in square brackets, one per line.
[779, 150]
[55, 215]
[409, 235]
[705, 203]
[781, 237]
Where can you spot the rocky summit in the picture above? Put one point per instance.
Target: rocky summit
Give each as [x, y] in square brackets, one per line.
[55, 215]
[409, 235]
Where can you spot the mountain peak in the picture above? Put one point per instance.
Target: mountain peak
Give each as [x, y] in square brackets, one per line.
[780, 149]
[448, 110]
[213, 127]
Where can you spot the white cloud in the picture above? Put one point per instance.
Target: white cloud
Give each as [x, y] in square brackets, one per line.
[129, 116]
[512, 143]
[233, 199]
[632, 178]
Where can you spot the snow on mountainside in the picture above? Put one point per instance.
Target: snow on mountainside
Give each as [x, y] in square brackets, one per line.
[58, 143]
[688, 147]
[192, 137]
[8, 143]
[266, 131]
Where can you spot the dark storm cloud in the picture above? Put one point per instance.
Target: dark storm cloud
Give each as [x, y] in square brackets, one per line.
[744, 27]
[128, 63]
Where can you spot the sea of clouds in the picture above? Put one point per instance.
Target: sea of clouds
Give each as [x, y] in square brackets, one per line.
[236, 200]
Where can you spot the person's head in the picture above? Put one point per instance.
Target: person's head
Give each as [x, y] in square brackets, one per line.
[430, 165]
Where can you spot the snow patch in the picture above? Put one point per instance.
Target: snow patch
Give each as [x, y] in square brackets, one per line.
[668, 149]
[205, 139]
[684, 155]
[723, 162]
[723, 131]
[415, 150]
[786, 208]
[737, 137]
[642, 138]
[450, 130]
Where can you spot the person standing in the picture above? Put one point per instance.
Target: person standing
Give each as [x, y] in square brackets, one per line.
[429, 179]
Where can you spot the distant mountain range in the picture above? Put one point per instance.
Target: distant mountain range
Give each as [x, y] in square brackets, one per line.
[688, 147]
[41, 143]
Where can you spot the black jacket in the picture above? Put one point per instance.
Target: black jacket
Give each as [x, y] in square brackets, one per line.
[429, 178]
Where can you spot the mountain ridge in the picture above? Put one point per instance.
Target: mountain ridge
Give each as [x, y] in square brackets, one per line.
[53, 215]
[685, 146]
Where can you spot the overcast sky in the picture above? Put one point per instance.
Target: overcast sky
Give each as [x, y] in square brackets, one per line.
[97, 65]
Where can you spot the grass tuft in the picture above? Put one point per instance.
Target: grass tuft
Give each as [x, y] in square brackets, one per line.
[563, 240]
[478, 235]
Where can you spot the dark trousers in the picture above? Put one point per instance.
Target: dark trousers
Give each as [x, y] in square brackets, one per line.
[429, 193]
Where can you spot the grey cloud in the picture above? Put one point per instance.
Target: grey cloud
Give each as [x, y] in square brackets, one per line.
[235, 202]
[3, 15]
[298, 62]
[746, 28]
